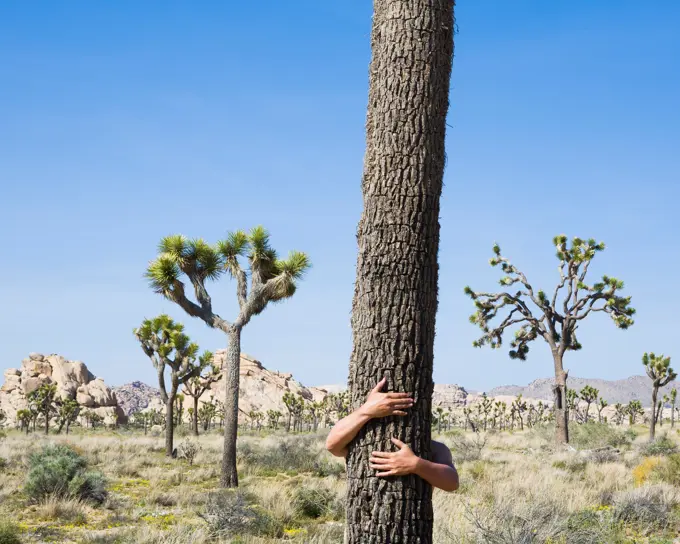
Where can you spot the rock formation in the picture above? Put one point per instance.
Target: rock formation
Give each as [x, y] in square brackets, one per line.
[260, 389]
[136, 396]
[73, 381]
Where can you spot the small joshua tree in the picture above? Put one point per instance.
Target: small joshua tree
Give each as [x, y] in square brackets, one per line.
[634, 410]
[556, 319]
[165, 343]
[619, 413]
[24, 418]
[271, 280]
[601, 405]
[273, 417]
[67, 413]
[42, 399]
[660, 372]
[674, 399]
[208, 374]
[588, 395]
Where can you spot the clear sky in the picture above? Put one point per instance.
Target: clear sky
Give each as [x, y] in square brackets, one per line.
[124, 121]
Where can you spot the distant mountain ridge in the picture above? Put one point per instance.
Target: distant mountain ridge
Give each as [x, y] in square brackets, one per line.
[613, 391]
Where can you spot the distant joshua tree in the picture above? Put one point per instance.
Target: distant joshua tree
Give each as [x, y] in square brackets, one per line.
[601, 405]
[535, 315]
[67, 413]
[271, 280]
[660, 372]
[164, 342]
[634, 410]
[209, 373]
[588, 394]
[674, 399]
[42, 399]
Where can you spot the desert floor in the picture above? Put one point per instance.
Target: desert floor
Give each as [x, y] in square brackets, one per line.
[515, 488]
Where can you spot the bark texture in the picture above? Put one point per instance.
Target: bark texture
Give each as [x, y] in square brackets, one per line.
[395, 299]
[229, 477]
[560, 401]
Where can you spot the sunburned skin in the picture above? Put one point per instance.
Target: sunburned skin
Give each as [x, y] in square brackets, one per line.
[438, 472]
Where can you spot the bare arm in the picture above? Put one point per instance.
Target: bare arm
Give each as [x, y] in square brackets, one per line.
[377, 405]
[439, 472]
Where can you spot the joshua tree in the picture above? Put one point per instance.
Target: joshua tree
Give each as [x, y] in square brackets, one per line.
[395, 297]
[208, 374]
[179, 409]
[67, 413]
[206, 413]
[620, 412]
[555, 319]
[439, 417]
[271, 280]
[24, 418]
[42, 399]
[662, 405]
[165, 343]
[295, 405]
[602, 404]
[634, 409]
[273, 417]
[674, 398]
[660, 372]
[588, 395]
[519, 406]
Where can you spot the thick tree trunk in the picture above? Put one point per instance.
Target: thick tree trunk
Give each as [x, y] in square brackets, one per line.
[169, 424]
[560, 400]
[194, 417]
[652, 423]
[229, 477]
[395, 299]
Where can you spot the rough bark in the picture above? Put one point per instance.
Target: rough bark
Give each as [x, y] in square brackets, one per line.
[560, 402]
[194, 417]
[229, 477]
[169, 425]
[395, 299]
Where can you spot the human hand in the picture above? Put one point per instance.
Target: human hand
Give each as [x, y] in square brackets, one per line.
[380, 404]
[398, 463]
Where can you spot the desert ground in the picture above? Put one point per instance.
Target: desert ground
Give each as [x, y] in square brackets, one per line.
[610, 486]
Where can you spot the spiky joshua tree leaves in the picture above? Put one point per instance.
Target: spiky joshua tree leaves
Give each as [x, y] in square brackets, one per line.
[164, 342]
[534, 314]
[660, 372]
[241, 256]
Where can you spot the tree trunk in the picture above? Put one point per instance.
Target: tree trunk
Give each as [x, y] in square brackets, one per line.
[68, 426]
[229, 477]
[560, 400]
[169, 424]
[395, 298]
[652, 423]
[194, 417]
[673, 416]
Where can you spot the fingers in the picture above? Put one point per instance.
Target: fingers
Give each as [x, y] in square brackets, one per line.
[383, 464]
[393, 395]
[398, 443]
[388, 473]
[383, 454]
[399, 413]
[379, 385]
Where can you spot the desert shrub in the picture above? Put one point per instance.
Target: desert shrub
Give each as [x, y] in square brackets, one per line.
[643, 471]
[188, 450]
[590, 526]
[59, 471]
[9, 533]
[661, 446]
[316, 502]
[294, 455]
[229, 513]
[3, 463]
[509, 521]
[573, 464]
[669, 470]
[646, 507]
[466, 449]
[597, 435]
[603, 455]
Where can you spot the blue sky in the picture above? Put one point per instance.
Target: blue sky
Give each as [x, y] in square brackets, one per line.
[121, 122]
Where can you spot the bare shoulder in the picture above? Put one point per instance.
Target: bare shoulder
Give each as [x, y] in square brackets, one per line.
[441, 454]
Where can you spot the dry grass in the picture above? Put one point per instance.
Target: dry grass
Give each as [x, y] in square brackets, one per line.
[517, 489]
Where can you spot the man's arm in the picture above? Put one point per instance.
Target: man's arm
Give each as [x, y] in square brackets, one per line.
[439, 472]
[377, 405]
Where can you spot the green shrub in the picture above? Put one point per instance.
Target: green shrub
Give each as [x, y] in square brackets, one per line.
[661, 446]
[228, 513]
[647, 507]
[669, 471]
[598, 435]
[316, 502]
[9, 533]
[58, 471]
